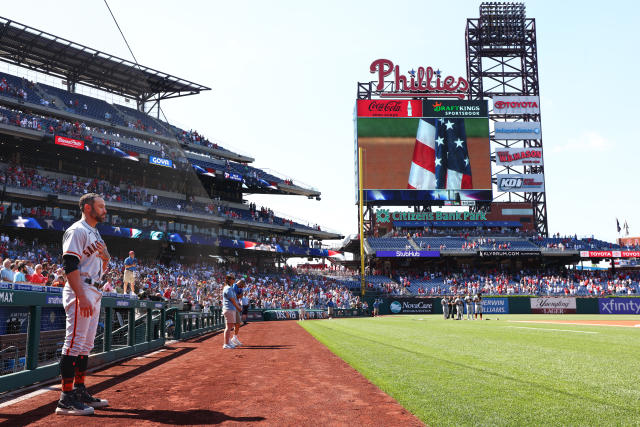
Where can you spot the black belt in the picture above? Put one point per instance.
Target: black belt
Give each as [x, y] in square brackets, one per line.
[90, 282]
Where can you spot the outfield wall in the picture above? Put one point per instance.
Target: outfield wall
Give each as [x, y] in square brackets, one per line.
[516, 305]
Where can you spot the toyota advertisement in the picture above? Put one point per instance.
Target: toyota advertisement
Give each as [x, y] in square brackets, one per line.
[524, 183]
[516, 105]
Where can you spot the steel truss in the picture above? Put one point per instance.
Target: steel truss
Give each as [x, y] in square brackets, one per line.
[502, 59]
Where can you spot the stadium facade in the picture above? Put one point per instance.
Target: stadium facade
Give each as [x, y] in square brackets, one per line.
[170, 192]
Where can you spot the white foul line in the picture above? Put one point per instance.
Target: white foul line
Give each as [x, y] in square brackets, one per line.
[544, 322]
[549, 329]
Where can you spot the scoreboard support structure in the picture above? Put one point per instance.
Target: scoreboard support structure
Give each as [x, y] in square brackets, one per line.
[502, 60]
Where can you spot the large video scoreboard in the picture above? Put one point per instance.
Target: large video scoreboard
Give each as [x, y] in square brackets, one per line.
[423, 152]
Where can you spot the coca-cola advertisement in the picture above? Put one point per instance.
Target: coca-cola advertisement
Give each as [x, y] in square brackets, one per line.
[553, 305]
[389, 108]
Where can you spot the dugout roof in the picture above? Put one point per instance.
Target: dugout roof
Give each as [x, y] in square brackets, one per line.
[46, 53]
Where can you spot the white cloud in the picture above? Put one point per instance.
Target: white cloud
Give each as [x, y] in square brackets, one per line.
[586, 142]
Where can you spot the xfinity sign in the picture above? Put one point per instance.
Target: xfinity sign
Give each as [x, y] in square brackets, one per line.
[159, 161]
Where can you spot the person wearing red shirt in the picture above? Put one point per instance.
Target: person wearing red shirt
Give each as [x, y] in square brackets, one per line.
[37, 278]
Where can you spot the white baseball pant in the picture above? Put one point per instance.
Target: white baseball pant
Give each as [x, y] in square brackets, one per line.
[81, 331]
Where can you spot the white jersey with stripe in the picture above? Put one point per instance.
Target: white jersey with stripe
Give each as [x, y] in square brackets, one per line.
[81, 240]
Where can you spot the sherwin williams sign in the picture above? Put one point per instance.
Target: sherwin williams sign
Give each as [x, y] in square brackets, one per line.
[619, 305]
[495, 305]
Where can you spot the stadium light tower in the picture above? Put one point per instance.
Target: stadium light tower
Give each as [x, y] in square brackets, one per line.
[502, 60]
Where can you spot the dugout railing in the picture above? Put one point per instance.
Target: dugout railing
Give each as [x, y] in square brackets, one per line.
[32, 330]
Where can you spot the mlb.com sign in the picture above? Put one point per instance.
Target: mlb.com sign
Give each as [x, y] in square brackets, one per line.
[159, 161]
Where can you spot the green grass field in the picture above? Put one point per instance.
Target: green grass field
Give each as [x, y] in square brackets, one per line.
[496, 372]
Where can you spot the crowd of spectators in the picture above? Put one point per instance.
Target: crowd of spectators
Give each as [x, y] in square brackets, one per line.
[7, 89]
[194, 284]
[539, 282]
[15, 175]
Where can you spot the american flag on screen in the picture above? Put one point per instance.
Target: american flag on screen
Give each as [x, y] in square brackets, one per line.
[440, 157]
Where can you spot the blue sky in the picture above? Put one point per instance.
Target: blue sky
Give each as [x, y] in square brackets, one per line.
[284, 77]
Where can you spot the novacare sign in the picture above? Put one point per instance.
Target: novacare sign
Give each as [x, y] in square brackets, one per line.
[411, 306]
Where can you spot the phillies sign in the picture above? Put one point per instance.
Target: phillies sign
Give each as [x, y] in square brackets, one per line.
[423, 82]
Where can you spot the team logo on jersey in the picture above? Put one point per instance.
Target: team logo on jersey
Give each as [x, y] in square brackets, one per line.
[91, 249]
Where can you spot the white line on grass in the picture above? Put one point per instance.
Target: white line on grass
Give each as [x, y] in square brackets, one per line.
[550, 329]
[550, 322]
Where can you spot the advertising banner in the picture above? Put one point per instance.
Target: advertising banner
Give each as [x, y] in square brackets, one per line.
[516, 105]
[519, 156]
[411, 305]
[510, 253]
[517, 130]
[553, 305]
[233, 176]
[407, 254]
[619, 305]
[609, 254]
[159, 161]
[431, 108]
[69, 142]
[524, 183]
[495, 305]
[389, 108]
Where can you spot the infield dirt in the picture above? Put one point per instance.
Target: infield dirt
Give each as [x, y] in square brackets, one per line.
[282, 376]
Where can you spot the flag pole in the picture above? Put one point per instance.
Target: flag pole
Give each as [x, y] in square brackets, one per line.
[362, 281]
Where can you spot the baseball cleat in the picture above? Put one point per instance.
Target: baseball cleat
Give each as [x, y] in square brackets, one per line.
[70, 405]
[84, 397]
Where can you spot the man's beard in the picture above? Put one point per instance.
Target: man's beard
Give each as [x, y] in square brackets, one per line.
[97, 217]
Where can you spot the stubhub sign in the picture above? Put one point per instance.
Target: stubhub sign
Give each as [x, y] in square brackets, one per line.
[160, 161]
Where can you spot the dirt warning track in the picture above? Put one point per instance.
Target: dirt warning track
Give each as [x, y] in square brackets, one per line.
[282, 376]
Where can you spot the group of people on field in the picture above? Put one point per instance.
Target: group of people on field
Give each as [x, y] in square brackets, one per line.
[453, 306]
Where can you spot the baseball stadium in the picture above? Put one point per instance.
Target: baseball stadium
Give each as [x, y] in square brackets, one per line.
[154, 273]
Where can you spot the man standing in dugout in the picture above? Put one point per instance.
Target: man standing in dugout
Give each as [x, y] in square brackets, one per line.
[86, 259]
